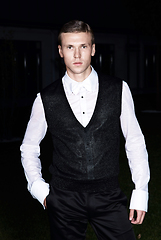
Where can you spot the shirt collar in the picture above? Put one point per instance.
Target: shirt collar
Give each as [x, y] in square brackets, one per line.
[72, 86]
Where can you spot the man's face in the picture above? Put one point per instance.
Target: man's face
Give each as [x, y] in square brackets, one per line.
[77, 49]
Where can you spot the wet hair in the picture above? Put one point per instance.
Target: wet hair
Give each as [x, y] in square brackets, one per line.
[75, 26]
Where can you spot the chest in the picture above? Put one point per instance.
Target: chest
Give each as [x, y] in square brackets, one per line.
[63, 113]
[83, 105]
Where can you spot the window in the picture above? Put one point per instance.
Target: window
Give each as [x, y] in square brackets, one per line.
[150, 67]
[103, 61]
[20, 80]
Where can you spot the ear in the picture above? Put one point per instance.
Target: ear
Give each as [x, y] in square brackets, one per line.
[60, 51]
[93, 50]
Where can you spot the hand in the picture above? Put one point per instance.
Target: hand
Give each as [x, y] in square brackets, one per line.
[45, 203]
[139, 217]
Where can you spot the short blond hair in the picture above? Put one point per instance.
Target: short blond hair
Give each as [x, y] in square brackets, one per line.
[76, 26]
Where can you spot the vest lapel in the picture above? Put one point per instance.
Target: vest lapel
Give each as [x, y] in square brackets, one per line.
[100, 103]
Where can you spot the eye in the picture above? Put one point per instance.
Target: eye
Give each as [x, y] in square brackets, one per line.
[84, 46]
[70, 47]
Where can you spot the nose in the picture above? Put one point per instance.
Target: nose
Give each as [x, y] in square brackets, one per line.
[77, 53]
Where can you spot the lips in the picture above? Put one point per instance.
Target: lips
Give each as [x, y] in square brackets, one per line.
[77, 63]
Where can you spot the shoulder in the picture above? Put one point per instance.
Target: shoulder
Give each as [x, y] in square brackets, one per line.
[105, 77]
[108, 80]
[51, 87]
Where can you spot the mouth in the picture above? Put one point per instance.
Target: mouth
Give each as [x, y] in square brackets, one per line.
[77, 63]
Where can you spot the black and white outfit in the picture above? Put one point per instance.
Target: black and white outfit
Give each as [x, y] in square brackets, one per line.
[84, 120]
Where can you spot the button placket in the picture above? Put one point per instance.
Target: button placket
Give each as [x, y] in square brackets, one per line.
[83, 104]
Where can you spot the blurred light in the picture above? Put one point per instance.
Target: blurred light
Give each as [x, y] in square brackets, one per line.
[100, 60]
[146, 62]
[24, 61]
[111, 59]
[38, 60]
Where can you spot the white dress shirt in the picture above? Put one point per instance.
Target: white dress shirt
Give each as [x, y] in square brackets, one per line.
[82, 98]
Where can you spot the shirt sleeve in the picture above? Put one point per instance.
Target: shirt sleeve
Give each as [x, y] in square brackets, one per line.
[136, 151]
[30, 151]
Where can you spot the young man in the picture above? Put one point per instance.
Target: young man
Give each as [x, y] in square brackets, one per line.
[83, 112]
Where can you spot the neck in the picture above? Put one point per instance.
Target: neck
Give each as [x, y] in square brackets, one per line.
[79, 77]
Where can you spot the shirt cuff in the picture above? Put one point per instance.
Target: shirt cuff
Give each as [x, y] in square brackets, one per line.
[40, 190]
[139, 200]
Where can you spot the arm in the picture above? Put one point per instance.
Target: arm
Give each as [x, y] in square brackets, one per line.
[137, 156]
[30, 151]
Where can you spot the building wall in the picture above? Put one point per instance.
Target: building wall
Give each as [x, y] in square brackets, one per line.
[48, 47]
[129, 53]
[128, 56]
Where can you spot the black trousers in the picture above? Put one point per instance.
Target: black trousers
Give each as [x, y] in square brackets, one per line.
[69, 212]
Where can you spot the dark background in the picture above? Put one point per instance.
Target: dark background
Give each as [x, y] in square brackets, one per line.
[53, 14]
[133, 18]
[20, 216]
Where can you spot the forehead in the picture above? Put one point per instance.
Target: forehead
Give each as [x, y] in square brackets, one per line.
[75, 38]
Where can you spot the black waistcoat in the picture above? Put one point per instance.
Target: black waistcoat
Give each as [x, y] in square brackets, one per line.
[85, 158]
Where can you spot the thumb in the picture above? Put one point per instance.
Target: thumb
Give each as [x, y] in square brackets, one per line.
[45, 203]
[131, 214]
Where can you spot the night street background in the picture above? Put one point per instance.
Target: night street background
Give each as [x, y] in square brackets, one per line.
[136, 24]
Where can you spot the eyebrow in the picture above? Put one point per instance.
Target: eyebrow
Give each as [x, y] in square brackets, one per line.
[82, 44]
